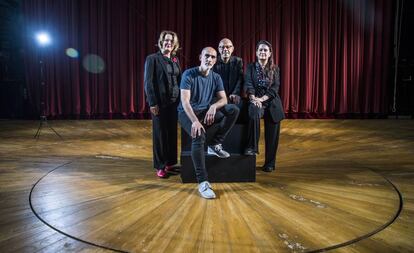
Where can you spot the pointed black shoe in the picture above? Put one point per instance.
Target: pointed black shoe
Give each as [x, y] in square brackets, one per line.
[268, 169]
[249, 151]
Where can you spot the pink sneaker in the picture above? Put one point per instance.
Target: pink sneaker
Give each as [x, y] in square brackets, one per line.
[161, 173]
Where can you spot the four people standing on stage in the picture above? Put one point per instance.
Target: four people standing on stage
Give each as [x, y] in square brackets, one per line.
[262, 81]
[199, 113]
[161, 81]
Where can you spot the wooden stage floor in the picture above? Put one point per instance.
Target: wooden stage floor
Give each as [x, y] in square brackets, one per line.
[340, 185]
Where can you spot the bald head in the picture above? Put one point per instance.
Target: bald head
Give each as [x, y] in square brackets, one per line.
[225, 49]
[225, 41]
[209, 50]
[208, 58]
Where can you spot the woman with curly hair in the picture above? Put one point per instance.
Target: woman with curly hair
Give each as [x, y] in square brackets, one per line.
[161, 81]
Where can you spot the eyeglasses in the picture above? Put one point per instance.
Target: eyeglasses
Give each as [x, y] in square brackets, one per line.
[209, 55]
[226, 47]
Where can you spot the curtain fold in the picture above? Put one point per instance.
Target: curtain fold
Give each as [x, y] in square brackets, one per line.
[334, 55]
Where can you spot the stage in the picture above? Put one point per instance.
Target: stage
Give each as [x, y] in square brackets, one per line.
[340, 185]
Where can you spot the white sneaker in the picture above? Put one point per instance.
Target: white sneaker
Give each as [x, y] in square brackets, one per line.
[218, 151]
[204, 188]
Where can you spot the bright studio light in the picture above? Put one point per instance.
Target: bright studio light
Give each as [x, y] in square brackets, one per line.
[43, 39]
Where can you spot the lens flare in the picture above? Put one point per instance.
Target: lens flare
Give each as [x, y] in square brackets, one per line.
[71, 52]
[94, 64]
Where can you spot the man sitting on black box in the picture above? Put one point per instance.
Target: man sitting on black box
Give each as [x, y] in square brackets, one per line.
[196, 113]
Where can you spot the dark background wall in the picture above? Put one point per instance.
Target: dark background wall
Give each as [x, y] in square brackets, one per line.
[13, 95]
[405, 76]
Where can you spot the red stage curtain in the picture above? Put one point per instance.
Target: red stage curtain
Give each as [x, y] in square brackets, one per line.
[121, 32]
[334, 55]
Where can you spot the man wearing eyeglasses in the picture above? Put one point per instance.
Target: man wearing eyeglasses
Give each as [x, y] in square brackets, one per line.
[230, 68]
[197, 112]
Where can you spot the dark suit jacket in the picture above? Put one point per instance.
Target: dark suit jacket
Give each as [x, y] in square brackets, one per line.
[275, 104]
[235, 77]
[156, 81]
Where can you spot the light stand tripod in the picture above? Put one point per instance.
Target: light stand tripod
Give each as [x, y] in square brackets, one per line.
[43, 117]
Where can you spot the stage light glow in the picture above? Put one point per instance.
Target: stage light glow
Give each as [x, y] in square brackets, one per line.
[43, 39]
[71, 52]
[94, 64]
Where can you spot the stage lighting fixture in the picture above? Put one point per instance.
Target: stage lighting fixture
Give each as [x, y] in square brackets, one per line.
[43, 39]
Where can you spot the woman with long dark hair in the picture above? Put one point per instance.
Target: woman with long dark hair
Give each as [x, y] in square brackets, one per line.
[161, 81]
[262, 81]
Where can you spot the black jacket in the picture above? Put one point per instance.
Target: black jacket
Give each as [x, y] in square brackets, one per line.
[275, 103]
[235, 77]
[156, 81]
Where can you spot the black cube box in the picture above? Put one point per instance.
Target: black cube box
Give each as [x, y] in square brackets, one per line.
[236, 168]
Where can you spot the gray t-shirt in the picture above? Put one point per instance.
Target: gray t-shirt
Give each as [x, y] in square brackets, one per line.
[203, 88]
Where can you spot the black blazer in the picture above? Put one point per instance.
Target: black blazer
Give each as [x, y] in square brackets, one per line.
[235, 77]
[275, 103]
[156, 81]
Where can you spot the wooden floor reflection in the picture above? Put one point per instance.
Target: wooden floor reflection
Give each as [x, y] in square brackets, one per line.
[340, 185]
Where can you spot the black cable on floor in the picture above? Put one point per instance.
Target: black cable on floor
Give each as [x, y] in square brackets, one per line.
[58, 230]
[360, 238]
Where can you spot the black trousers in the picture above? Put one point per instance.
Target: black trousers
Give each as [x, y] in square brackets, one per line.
[243, 107]
[164, 137]
[272, 131]
[223, 122]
